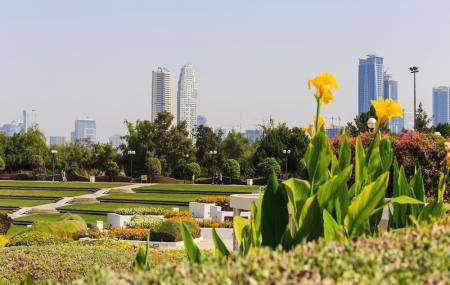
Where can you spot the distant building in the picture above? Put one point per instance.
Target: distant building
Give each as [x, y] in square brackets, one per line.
[201, 120]
[115, 141]
[333, 131]
[56, 140]
[441, 105]
[187, 98]
[161, 91]
[390, 91]
[408, 120]
[85, 130]
[370, 81]
[29, 119]
[253, 135]
[12, 128]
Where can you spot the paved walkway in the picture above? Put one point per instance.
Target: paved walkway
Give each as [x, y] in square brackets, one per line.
[51, 207]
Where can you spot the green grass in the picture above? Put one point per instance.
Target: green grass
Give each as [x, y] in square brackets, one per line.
[15, 229]
[201, 187]
[22, 202]
[155, 197]
[104, 206]
[62, 185]
[48, 193]
[90, 219]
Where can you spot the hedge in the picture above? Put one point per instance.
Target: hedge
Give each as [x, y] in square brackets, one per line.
[408, 256]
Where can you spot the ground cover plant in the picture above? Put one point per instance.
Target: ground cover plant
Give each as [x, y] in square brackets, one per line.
[37, 193]
[151, 223]
[141, 211]
[60, 185]
[154, 197]
[112, 207]
[89, 219]
[201, 187]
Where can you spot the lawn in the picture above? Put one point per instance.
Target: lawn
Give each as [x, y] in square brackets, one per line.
[62, 185]
[22, 202]
[201, 187]
[38, 193]
[15, 229]
[154, 197]
[105, 206]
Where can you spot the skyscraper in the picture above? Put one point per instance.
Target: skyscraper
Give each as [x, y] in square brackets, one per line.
[161, 91]
[12, 128]
[391, 92]
[85, 130]
[408, 120]
[29, 119]
[201, 120]
[370, 81]
[115, 141]
[441, 105]
[187, 98]
[56, 140]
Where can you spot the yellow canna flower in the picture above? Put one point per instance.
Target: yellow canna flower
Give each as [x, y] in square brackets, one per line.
[309, 130]
[321, 122]
[386, 109]
[323, 83]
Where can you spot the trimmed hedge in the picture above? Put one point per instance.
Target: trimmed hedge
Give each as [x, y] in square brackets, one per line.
[409, 256]
[141, 211]
[30, 238]
[145, 222]
[170, 231]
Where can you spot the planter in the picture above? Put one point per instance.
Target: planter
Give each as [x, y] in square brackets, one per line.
[200, 210]
[218, 215]
[118, 221]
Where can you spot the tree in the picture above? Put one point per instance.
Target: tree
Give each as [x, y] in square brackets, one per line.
[112, 169]
[192, 169]
[37, 165]
[444, 129]
[422, 119]
[359, 124]
[153, 166]
[231, 168]
[234, 145]
[268, 165]
[205, 141]
[2, 164]
[102, 155]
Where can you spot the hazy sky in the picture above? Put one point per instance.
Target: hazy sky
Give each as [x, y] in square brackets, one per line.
[70, 59]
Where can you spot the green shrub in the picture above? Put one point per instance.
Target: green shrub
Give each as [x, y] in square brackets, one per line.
[68, 224]
[2, 164]
[29, 238]
[192, 168]
[231, 169]
[177, 214]
[120, 233]
[141, 211]
[215, 199]
[151, 223]
[268, 165]
[214, 224]
[170, 231]
[5, 223]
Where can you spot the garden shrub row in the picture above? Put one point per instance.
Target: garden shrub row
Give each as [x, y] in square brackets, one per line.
[214, 224]
[213, 199]
[408, 256]
[177, 214]
[141, 211]
[31, 238]
[151, 223]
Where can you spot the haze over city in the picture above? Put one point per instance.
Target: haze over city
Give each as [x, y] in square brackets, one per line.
[252, 59]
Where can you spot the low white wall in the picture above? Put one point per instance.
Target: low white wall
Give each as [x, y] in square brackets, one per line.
[218, 215]
[200, 210]
[224, 233]
[118, 221]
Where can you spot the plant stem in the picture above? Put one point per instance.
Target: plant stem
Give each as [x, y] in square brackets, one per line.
[316, 123]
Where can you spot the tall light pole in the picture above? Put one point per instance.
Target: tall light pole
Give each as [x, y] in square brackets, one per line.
[414, 70]
[286, 152]
[212, 153]
[131, 153]
[185, 156]
[54, 153]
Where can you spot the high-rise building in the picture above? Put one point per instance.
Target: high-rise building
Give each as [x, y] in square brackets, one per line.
[116, 141]
[187, 98]
[333, 131]
[56, 140]
[201, 120]
[391, 92]
[370, 81]
[441, 105]
[408, 120]
[253, 135]
[29, 119]
[161, 91]
[85, 130]
[11, 128]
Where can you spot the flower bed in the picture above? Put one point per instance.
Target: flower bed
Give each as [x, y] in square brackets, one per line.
[145, 222]
[141, 211]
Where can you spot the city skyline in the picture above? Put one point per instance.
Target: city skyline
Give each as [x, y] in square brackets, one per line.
[68, 60]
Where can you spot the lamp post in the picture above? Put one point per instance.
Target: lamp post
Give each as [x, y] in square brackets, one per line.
[131, 153]
[371, 123]
[54, 153]
[212, 153]
[286, 152]
[185, 156]
[414, 70]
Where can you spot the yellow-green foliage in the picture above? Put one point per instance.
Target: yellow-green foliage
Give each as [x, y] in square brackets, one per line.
[3, 240]
[68, 224]
[30, 238]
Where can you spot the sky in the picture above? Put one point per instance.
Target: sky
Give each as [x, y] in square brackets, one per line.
[72, 59]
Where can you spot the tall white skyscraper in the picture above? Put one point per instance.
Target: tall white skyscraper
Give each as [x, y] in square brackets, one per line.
[187, 98]
[391, 92]
[85, 130]
[441, 105]
[370, 81]
[29, 119]
[161, 91]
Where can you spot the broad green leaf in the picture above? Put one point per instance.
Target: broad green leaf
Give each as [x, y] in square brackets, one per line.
[317, 158]
[287, 240]
[442, 186]
[405, 200]
[140, 261]
[192, 250]
[341, 204]
[386, 154]
[330, 227]
[311, 222]
[238, 224]
[255, 220]
[433, 210]
[373, 159]
[446, 207]
[297, 191]
[330, 189]
[334, 165]
[360, 167]
[221, 248]
[345, 152]
[274, 214]
[417, 185]
[364, 203]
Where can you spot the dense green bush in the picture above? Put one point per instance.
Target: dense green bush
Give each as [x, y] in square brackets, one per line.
[151, 223]
[192, 168]
[120, 234]
[409, 256]
[231, 169]
[268, 165]
[170, 231]
[62, 263]
[2, 164]
[5, 223]
[141, 211]
[29, 238]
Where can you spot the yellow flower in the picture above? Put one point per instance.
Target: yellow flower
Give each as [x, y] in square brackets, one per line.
[323, 82]
[386, 109]
[321, 122]
[309, 129]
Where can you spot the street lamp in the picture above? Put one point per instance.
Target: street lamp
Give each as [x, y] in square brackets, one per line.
[414, 70]
[286, 152]
[131, 153]
[54, 153]
[371, 123]
[185, 156]
[212, 153]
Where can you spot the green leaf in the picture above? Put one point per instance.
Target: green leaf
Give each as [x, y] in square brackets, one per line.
[274, 214]
[140, 261]
[192, 251]
[330, 189]
[287, 240]
[297, 191]
[311, 222]
[360, 167]
[345, 153]
[433, 210]
[373, 159]
[317, 158]
[417, 185]
[364, 204]
[442, 186]
[239, 224]
[405, 200]
[221, 248]
[255, 220]
[330, 226]
[386, 154]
